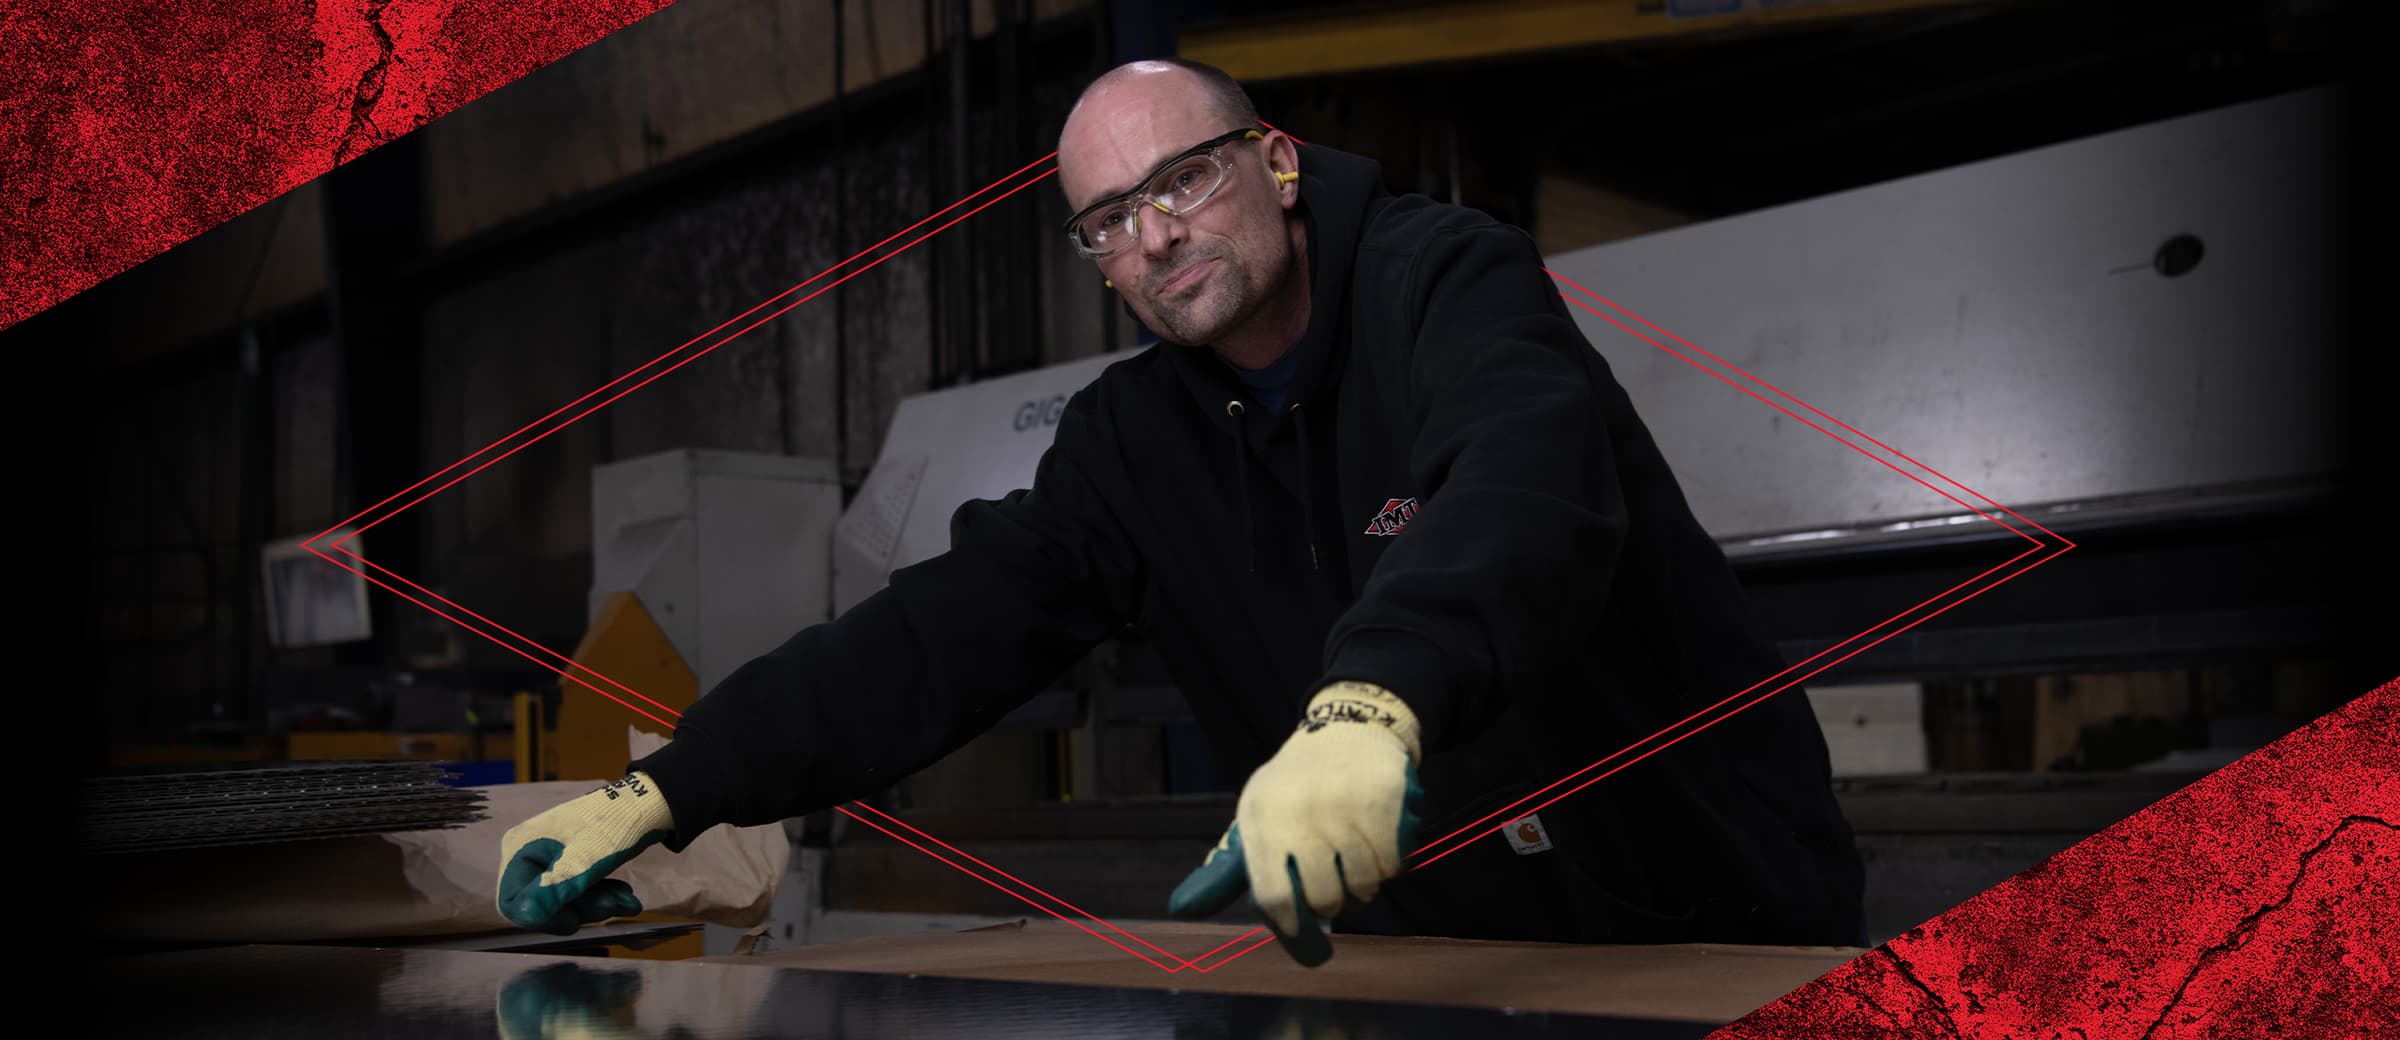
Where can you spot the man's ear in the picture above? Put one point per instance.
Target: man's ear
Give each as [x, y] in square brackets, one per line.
[1283, 167]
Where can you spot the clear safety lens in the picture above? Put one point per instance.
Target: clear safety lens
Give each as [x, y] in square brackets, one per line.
[1179, 189]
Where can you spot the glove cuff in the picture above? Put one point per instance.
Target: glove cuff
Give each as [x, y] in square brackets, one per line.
[1350, 702]
[637, 800]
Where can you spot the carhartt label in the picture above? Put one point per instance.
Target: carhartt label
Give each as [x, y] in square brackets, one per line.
[1527, 836]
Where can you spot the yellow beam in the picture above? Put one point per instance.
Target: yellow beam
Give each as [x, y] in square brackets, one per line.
[1400, 35]
[528, 720]
[625, 656]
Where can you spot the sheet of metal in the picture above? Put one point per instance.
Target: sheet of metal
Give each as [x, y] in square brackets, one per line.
[280, 991]
[590, 940]
[2007, 323]
[201, 807]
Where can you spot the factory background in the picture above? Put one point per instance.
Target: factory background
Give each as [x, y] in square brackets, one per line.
[294, 366]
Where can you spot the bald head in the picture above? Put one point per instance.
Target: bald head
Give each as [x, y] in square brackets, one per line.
[1225, 98]
[1196, 102]
[1224, 272]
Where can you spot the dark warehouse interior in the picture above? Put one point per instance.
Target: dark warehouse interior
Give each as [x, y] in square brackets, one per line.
[313, 360]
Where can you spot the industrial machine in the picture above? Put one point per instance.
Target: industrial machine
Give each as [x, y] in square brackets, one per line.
[2133, 332]
[701, 560]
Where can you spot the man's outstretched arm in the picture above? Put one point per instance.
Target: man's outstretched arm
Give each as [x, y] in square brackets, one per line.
[1516, 543]
[1031, 583]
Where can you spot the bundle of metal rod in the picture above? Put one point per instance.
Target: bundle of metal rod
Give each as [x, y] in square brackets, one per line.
[154, 810]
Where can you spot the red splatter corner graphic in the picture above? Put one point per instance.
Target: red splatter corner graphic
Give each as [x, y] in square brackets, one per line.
[127, 128]
[2258, 902]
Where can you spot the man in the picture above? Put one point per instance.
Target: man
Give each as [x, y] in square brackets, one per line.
[1376, 484]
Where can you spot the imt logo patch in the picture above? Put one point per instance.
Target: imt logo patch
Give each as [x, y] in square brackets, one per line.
[1397, 512]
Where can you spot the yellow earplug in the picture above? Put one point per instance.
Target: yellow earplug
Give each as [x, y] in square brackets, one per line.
[1108, 283]
[1287, 178]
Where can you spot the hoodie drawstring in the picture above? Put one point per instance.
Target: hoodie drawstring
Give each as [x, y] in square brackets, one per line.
[1241, 477]
[1308, 497]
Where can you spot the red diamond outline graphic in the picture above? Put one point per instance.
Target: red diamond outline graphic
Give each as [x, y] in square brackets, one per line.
[2048, 546]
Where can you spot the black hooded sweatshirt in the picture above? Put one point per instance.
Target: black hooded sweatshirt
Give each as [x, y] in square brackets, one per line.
[1458, 503]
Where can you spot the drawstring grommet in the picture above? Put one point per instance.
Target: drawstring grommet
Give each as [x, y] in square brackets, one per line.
[1233, 408]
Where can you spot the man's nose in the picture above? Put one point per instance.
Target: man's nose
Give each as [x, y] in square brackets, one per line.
[1160, 231]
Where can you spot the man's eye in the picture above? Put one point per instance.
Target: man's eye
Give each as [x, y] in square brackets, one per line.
[1111, 219]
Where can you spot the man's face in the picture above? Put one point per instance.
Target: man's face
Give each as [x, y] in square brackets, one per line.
[1195, 276]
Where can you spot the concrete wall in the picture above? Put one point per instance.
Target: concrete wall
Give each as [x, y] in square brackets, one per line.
[609, 293]
[655, 93]
[508, 349]
[662, 89]
[267, 260]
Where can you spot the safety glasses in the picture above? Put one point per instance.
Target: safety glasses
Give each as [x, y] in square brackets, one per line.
[1178, 186]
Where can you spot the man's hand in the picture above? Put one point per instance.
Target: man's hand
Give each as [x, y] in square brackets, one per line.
[550, 878]
[1322, 824]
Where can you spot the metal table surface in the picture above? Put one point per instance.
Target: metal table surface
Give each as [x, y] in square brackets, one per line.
[427, 994]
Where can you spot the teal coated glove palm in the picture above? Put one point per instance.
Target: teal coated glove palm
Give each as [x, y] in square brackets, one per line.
[554, 866]
[1322, 825]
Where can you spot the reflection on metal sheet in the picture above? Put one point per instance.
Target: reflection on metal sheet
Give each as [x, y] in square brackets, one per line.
[272, 992]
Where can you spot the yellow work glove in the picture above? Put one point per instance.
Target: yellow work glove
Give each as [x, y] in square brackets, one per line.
[1322, 824]
[553, 864]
